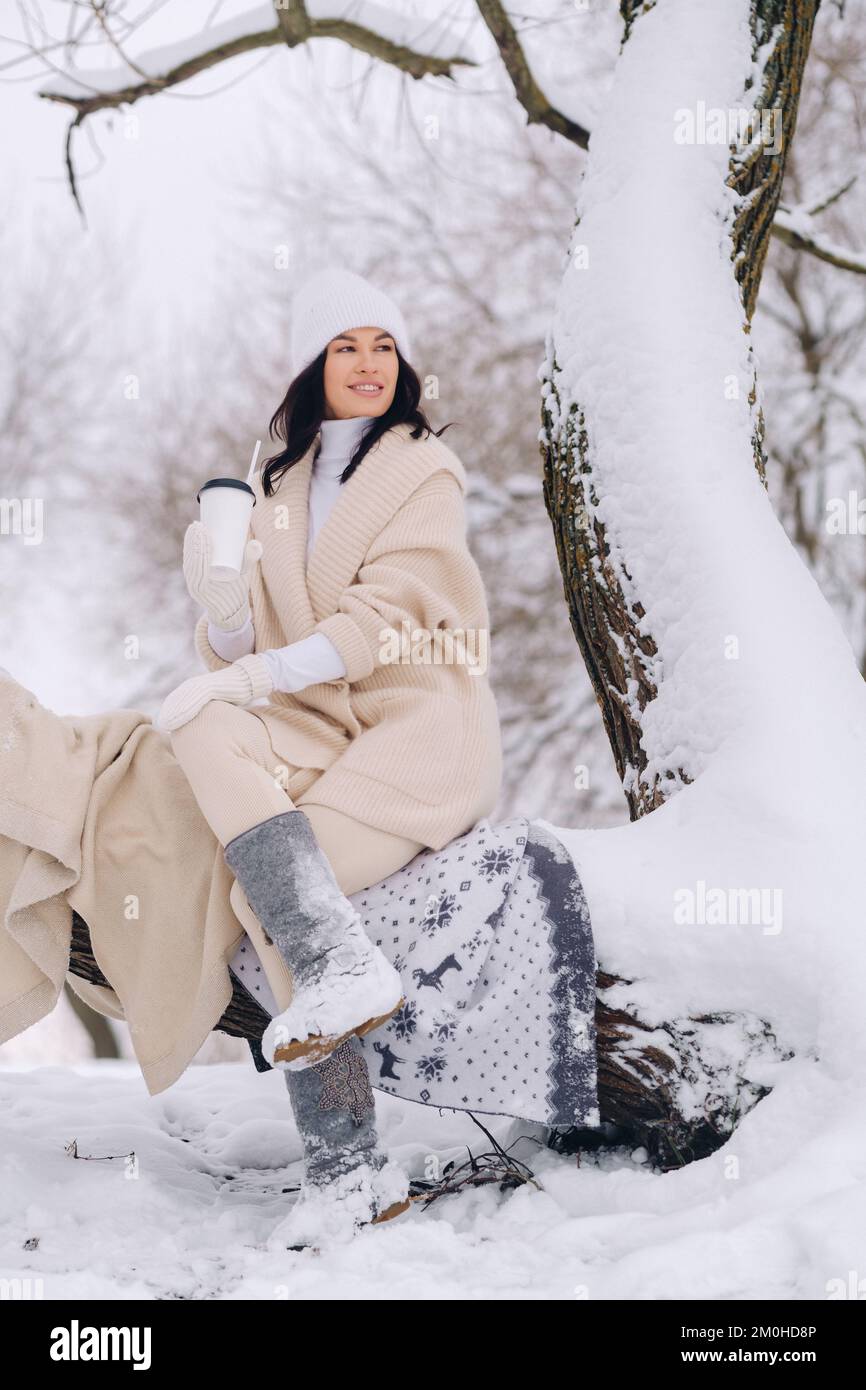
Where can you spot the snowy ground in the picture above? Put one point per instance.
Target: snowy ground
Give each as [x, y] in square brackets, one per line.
[195, 1217]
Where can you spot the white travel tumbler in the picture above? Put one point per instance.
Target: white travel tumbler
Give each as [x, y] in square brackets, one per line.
[225, 508]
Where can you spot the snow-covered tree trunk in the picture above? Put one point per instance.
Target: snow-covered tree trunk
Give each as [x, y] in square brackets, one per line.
[605, 603]
[728, 924]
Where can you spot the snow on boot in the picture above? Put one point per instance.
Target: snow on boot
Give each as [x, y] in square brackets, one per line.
[333, 1213]
[341, 983]
[355, 981]
[348, 1182]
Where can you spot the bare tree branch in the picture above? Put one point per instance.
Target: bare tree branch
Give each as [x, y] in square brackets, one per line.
[526, 89]
[297, 27]
[99, 10]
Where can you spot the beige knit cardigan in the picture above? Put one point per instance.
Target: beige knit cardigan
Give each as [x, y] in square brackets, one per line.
[411, 746]
[97, 814]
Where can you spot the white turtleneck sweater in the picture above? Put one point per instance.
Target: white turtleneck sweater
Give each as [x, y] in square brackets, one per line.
[315, 658]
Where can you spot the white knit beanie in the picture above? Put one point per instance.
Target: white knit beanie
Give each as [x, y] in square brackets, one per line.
[332, 301]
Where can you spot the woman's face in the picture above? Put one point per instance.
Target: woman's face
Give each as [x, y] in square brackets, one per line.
[357, 360]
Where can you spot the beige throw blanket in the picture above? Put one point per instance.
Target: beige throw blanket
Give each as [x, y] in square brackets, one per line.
[97, 815]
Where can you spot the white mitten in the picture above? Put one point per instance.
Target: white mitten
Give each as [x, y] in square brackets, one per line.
[245, 680]
[227, 600]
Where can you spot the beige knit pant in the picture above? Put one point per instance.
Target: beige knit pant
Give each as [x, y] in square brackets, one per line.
[239, 780]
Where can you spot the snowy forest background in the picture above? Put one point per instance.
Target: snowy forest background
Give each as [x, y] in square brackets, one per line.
[147, 351]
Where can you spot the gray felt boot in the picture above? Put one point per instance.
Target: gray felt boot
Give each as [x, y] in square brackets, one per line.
[348, 1183]
[341, 983]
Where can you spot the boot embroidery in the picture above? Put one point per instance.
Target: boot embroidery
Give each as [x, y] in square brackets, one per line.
[346, 1083]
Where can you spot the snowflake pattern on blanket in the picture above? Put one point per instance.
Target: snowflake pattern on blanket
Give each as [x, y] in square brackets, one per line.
[492, 938]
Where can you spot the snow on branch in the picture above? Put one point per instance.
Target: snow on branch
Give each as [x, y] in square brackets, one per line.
[158, 68]
[795, 227]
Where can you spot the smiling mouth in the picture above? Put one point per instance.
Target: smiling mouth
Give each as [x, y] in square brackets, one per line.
[367, 389]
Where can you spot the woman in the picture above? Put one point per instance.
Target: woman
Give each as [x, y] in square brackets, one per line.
[375, 733]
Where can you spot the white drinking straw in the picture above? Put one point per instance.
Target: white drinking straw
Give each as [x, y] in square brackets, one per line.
[253, 464]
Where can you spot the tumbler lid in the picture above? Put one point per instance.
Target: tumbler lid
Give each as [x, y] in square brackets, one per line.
[226, 482]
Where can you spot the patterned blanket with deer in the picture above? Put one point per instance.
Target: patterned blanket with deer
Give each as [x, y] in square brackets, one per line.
[492, 937]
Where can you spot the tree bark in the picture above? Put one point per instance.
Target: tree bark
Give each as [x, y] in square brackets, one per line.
[644, 1074]
[97, 1026]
